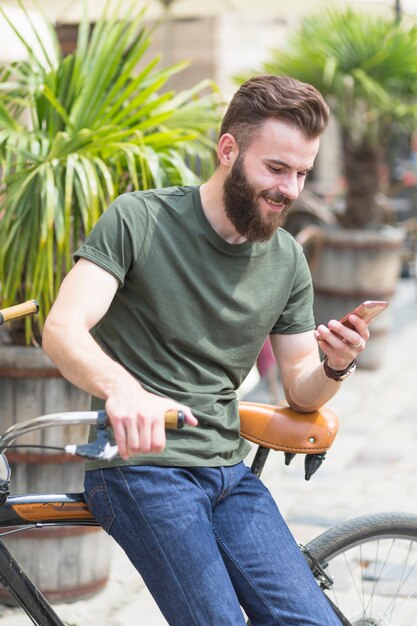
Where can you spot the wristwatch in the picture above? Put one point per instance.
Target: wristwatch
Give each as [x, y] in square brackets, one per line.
[337, 375]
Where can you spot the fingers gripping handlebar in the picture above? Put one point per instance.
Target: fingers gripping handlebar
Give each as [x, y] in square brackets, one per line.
[30, 307]
[101, 447]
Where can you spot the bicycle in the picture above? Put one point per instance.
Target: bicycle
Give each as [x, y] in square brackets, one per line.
[367, 566]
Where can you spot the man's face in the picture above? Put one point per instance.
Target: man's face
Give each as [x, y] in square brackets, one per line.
[266, 178]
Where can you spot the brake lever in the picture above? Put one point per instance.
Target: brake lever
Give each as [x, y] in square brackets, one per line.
[100, 448]
[4, 491]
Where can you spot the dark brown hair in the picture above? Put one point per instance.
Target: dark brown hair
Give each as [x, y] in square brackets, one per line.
[279, 97]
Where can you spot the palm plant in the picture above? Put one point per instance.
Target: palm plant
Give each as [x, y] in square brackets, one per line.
[366, 68]
[100, 122]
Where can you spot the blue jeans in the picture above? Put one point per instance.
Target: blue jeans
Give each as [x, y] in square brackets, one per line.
[208, 541]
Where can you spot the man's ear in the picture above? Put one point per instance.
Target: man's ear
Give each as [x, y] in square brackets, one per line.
[227, 149]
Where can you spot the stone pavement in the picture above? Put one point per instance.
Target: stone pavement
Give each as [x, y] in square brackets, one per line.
[371, 467]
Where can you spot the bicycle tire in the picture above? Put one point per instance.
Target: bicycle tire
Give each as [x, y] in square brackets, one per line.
[373, 561]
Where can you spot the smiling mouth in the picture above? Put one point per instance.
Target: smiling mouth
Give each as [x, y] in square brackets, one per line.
[275, 206]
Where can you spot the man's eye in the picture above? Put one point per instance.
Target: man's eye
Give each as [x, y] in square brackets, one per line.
[275, 170]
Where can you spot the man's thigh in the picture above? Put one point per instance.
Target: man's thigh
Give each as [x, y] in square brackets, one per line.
[162, 519]
[269, 573]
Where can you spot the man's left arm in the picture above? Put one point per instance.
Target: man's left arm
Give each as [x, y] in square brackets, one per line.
[306, 385]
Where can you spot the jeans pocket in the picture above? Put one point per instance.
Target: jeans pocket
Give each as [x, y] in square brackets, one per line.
[98, 499]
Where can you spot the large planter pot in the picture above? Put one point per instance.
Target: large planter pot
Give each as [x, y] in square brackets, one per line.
[350, 266]
[65, 563]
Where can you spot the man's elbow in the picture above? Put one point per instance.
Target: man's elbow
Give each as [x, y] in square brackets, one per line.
[51, 338]
[302, 407]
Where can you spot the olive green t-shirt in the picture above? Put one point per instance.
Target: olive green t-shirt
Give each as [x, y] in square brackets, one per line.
[192, 312]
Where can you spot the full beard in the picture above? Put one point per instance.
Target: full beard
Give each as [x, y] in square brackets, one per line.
[241, 201]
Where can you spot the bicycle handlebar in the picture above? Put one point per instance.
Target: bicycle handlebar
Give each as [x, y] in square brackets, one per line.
[173, 420]
[30, 307]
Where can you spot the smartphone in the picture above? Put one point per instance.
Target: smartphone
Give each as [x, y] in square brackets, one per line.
[367, 311]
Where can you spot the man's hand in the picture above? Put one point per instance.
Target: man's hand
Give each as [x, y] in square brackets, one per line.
[340, 343]
[137, 418]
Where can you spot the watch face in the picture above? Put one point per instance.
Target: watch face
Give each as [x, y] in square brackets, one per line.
[349, 372]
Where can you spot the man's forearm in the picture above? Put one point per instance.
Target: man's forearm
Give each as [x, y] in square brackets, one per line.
[310, 391]
[307, 385]
[81, 361]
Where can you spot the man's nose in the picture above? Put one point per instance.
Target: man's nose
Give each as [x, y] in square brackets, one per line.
[290, 187]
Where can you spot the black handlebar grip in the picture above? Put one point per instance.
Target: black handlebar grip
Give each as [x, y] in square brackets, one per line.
[30, 307]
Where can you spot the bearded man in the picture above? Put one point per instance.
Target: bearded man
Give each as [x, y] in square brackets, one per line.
[167, 307]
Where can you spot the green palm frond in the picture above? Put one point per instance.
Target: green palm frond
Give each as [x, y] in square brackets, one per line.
[101, 122]
[365, 65]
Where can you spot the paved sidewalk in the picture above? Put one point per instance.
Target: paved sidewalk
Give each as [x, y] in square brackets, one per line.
[371, 467]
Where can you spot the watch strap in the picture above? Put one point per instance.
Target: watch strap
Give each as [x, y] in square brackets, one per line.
[338, 375]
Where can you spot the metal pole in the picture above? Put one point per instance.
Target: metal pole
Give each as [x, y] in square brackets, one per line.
[398, 11]
[167, 31]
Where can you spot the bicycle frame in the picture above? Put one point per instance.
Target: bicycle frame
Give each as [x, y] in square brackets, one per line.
[35, 511]
[25, 592]
[42, 509]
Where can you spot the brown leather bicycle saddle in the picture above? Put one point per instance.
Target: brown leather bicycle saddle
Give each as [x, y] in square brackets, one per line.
[282, 428]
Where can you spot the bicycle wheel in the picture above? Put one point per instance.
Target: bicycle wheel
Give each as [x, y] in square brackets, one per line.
[373, 561]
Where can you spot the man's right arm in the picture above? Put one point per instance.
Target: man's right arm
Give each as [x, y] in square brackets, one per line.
[137, 416]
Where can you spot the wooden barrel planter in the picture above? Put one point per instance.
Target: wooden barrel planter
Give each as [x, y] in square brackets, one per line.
[349, 266]
[65, 563]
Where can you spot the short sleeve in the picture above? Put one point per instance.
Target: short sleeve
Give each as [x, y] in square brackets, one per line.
[116, 240]
[298, 316]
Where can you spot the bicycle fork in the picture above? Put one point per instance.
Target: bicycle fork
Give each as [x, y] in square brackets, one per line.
[25, 592]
